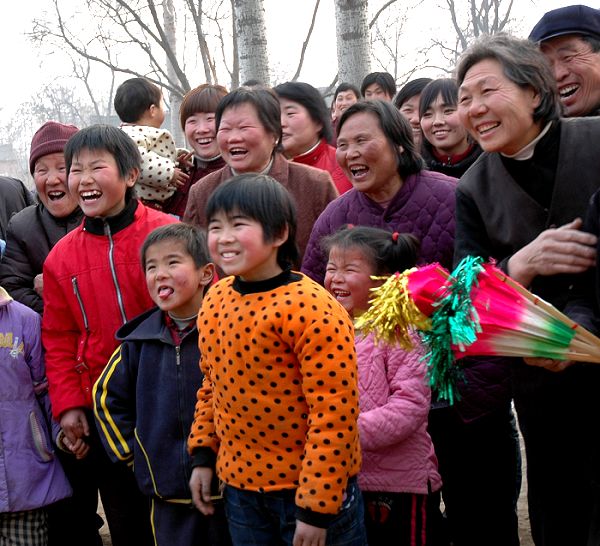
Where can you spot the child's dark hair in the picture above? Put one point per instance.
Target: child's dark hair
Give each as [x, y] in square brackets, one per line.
[134, 96]
[192, 238]
[387, 252]
[105, 138]
[263, 199]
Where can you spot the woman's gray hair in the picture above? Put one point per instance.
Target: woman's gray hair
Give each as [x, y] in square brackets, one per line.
[522, 63]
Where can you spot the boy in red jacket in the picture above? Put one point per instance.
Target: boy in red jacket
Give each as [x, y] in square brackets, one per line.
[93, 284]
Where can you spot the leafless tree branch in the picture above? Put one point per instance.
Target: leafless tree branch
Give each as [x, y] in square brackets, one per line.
[305, 43]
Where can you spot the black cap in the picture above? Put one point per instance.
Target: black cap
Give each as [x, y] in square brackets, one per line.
[578, 19]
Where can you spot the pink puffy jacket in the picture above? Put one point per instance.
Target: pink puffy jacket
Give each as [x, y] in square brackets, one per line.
[397, 451]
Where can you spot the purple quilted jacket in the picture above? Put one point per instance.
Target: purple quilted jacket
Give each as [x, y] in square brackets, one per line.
[30, 474]
[424, 206]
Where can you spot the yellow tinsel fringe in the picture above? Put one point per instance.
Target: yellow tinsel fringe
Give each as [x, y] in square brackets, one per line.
[392, 312]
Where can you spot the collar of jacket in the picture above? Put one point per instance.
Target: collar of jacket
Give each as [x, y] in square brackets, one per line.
[75, 216]
[120, 221]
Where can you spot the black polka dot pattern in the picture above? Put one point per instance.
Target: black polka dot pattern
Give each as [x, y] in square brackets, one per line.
[159, 159]
[280, 397]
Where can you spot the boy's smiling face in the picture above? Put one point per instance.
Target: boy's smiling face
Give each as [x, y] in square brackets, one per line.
[95, 181]
[175, 283]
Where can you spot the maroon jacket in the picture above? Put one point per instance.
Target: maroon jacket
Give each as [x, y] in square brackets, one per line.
[178, 201]
[311, 189]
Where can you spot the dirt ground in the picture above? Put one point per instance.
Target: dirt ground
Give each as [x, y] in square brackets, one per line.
[524, 533]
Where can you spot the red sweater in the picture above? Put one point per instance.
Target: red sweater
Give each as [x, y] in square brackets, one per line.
[323, 157]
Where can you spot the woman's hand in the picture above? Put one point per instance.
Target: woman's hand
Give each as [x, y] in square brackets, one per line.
[38, 284]
[549, 364]
[558, 250]
[179, 177]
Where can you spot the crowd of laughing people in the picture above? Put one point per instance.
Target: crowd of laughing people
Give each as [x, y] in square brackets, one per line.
[176, 325]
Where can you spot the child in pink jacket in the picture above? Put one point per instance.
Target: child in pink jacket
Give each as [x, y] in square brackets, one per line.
[399, 465]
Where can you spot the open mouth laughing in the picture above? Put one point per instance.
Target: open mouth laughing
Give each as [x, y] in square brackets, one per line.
[358, 171]
[56, 195]
[568, 90]
[90, 195]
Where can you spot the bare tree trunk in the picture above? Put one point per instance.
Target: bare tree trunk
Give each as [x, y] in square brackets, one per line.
[251, 40]
[352, 33]
[174, 98]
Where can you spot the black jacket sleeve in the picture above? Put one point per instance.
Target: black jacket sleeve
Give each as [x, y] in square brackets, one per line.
[582, 305]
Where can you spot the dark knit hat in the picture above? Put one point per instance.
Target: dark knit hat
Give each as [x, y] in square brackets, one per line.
[578, 19]
[50, 138]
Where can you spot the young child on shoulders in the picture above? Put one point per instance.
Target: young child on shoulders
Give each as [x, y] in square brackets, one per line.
[140, 106]
[144, 400]
[32, 477]
[399, 465]
[279, 403]
[93, 284]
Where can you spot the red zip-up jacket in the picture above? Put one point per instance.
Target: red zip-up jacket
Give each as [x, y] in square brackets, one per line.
[93, 284]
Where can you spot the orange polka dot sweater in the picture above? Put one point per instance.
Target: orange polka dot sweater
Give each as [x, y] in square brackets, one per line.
[279, 402]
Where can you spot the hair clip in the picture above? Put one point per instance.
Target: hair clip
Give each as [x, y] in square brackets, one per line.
[395, 236]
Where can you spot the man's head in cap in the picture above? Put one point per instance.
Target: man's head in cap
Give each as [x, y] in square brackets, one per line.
[569, 37]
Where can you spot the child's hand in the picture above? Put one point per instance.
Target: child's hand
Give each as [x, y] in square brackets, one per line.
[184, 159]
[309, 535]
[200, 488]
[75, 425]
[38, 284]
[80, 448]
[179, 178]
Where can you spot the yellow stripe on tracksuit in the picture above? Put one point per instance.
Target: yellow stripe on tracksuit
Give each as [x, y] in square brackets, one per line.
[105, 416]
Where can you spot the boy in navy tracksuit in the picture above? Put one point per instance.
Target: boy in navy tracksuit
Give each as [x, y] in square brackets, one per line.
[144, 400]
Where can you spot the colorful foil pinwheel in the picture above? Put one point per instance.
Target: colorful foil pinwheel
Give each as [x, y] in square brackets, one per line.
[477, 310]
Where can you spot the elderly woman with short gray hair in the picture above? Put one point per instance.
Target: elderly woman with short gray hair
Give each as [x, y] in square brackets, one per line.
[521, 204]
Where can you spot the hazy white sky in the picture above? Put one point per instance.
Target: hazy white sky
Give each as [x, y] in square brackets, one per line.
[287, 22]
